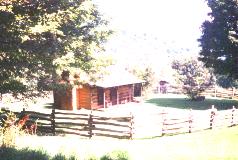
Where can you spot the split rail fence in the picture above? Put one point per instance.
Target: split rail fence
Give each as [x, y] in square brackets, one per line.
[98, 124]
[230, 93]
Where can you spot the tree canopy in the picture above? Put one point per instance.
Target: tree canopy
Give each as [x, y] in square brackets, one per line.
[219, 40]
[40, 38]
[192, 76]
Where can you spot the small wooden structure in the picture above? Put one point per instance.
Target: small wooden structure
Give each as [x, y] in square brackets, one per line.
[112, 90]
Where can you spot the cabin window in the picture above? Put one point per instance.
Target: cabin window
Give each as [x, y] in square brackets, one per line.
[100, 96]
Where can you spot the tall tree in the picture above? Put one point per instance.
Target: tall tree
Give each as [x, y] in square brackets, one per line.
[219, 40]
[41, 38]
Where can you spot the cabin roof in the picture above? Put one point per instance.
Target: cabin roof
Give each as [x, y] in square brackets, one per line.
[118, 78]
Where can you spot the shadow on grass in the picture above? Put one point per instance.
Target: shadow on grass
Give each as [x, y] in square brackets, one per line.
[184, 103]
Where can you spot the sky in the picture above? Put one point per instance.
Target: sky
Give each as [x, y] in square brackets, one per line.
[146, 31]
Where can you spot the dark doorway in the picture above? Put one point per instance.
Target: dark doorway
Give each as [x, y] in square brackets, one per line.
[100, 96]
[113, 95]
[137, 90]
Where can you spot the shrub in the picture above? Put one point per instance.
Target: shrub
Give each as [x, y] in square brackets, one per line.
[63, 157]
[9, 153]
[116, 155]
[13, 127]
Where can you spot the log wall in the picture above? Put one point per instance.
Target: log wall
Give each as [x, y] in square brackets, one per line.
[63, 99]
[83, 97]
[87, 97]
[94, 99]
[125, 94]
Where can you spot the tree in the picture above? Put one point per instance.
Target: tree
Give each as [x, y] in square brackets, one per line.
[39, 39]
[192, 76]
[226, 82]
[147, 75]
[219, 40]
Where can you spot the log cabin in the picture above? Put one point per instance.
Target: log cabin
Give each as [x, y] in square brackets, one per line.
[113, 89]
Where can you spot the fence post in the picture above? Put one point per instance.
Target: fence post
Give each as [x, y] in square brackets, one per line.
[215, 90]
[53, 121]
[212, 115]
[233, 92]
[163, 123]
[232, 116]
[90, 125]
[131, 125]
[190, 121]
[22, 113]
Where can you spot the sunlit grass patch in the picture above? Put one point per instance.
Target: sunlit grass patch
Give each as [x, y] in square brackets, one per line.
[184, 103]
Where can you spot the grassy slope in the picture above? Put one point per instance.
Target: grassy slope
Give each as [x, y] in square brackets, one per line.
[216, 144]
[210, 144]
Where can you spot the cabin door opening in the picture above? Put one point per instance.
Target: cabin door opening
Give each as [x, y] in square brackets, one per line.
[100, 96]
[137, 90]
[113, 96]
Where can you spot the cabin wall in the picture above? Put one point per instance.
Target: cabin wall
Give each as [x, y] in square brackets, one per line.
[83, 97]
[63, 99]
[87, 97]
[94, 99]
[107, 97]
[125, 94]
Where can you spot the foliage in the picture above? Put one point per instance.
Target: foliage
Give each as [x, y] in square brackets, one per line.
[226, 82]
[219, 40]
[60, 156]
[10, 153]
[12, 128]
[147, 75]
[116, 155]
[41, 38]
[193, 76]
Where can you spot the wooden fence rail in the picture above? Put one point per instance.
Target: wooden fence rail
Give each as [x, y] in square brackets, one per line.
[132, 126]
[214, 91]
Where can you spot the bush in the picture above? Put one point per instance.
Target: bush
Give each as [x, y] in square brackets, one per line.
[13, 127]
[63, 157]
[116, 155]
[9, 130]
[10, 153]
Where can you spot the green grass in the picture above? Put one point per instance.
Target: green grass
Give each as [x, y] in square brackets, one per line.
[184, 103]
[214, 144]
[10, 153]
[211, 144]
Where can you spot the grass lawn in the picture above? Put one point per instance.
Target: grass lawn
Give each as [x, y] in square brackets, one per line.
[211, 144]
[184, 103]
[216, 144]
